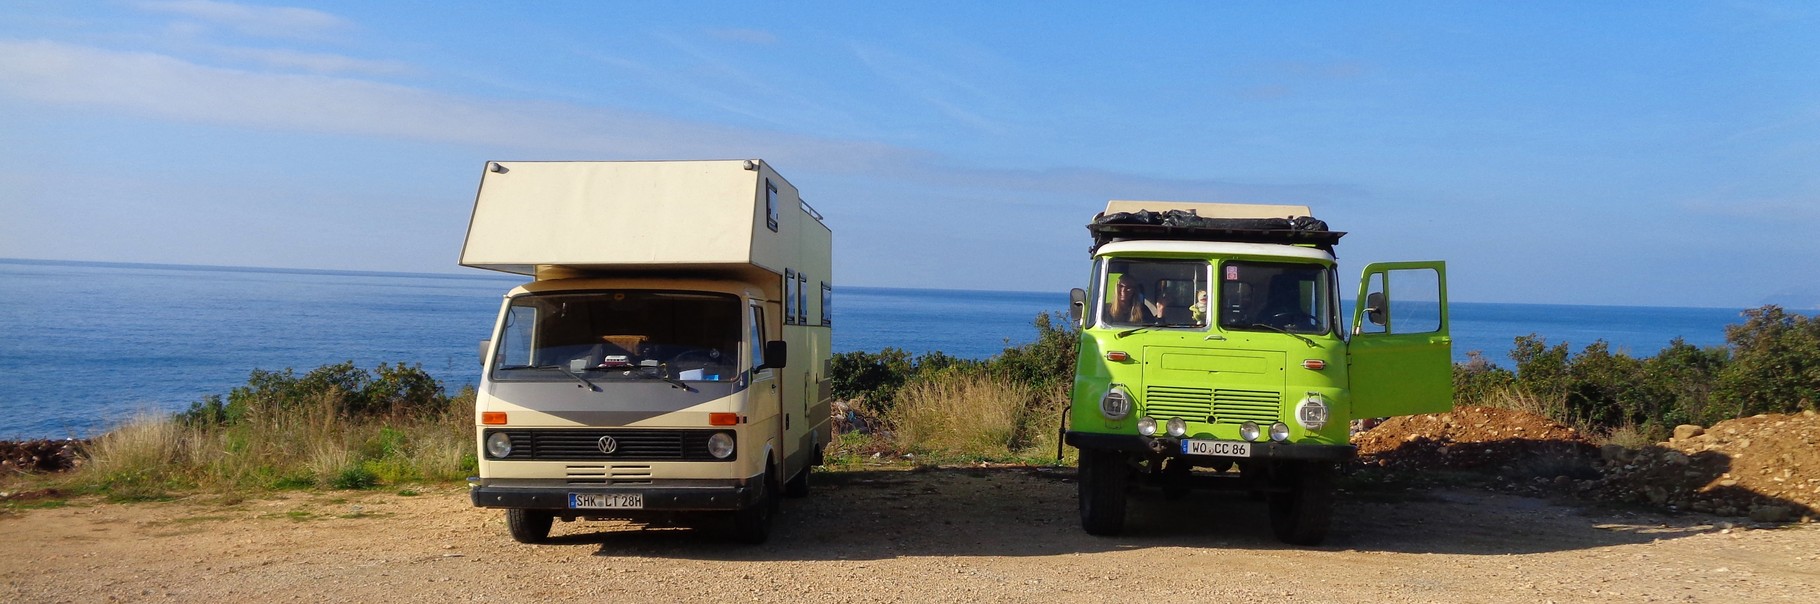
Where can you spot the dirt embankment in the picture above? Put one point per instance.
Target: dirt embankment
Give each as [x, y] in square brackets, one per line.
[1766, 467]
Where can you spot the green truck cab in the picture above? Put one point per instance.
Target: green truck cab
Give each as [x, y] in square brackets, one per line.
[1215, 353]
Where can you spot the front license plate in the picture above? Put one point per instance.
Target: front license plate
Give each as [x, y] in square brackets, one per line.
[612, 501]
[1218, 448]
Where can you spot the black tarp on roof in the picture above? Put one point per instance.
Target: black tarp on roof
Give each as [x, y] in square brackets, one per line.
[1179, 225]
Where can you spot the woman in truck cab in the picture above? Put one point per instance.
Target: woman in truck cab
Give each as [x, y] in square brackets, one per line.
[1130, 306]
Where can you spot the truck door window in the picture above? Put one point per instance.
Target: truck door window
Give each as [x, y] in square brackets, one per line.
[758, 336]
[1152, 292]
[1407, 300]
[1259, 296]
[608, 335]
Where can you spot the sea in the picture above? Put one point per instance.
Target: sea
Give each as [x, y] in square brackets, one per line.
[85, 346]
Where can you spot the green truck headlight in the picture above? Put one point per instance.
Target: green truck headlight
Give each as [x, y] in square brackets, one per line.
[1147, 426]
[1311, 413]
[1248, 430]
[1176, 427]
[1116, 404]
[1279, 432]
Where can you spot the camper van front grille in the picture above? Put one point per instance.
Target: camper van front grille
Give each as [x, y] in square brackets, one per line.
[628, 445]
[1239, 406]
[1164, 402]
[609, 474]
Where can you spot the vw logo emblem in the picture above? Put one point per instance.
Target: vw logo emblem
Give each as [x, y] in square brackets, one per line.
[607, 445]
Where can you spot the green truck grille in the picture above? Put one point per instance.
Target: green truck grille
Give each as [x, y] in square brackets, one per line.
[1225, 406]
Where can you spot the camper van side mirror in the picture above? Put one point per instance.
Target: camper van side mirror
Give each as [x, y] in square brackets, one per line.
[1374, 308]
[1077, 304]
[776, 355]
[482, 353]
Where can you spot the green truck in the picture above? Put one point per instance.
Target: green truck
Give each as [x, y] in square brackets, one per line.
[1215, 353]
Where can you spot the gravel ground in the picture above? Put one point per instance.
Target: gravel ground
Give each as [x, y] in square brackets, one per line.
[890, 535]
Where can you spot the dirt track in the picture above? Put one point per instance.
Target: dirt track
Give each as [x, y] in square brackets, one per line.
[942, 535]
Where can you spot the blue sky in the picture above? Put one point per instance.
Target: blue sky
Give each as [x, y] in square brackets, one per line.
[1656, 153]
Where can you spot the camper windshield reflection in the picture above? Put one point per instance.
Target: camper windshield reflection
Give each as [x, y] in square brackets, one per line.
[613, 335]
[1257, 296]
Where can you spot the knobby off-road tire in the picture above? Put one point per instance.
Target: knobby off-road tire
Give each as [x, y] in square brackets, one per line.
[1102, 477]
[1301, 514]
[529, 526]
[753, 525]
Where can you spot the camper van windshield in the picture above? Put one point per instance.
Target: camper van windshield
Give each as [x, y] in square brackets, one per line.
[615, 335]
[1293, 298]
[1166, 293]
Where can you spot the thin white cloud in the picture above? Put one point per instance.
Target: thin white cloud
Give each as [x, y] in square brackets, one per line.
[252, 20]
[747, 36]
[164, 87]
[937, 87]
[313, 62]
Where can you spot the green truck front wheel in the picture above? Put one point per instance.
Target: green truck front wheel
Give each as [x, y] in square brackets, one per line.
[1102, 478]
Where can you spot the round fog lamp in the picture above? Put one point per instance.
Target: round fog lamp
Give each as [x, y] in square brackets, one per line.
[499, 445]
[1248, 431]
[1176, 427]
[720, 445]
[1279, 432]
[1147, 426]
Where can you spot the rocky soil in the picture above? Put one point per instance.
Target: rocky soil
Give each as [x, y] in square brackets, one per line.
[1766, 468]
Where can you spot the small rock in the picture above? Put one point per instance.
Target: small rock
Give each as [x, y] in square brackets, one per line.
[1685, 431]
[1770, 513]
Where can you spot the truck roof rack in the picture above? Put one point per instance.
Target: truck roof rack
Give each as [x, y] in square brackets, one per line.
[1187, 225]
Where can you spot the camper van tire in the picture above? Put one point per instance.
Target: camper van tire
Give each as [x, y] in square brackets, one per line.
[1301, 503]
[529, 526]
[752, 525]
[1102, 481]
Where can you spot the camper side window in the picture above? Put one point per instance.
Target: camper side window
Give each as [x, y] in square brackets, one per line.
[802, 298]
[789, 295]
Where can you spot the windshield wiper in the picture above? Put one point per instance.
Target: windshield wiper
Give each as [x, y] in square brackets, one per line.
[660, 373]
[1280, 330]
[1144, 327]
[559, 369]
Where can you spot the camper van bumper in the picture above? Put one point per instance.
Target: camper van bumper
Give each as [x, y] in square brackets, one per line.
[660, 495]
[1172, 447]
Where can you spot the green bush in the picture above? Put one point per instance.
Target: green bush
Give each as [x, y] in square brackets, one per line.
[1775, 364]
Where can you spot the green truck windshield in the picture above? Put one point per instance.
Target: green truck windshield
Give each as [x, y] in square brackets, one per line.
[1296, 298]
[1155, 292]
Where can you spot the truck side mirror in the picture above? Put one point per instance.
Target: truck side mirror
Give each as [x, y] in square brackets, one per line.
[482, 354]
[1374, 308]
[776, 355]
[1077, 304]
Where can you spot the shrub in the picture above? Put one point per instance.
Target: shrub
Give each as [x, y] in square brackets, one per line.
[1775, 364]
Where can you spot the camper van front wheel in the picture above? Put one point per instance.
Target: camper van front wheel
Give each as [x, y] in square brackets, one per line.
[753, 524]
[529, 526]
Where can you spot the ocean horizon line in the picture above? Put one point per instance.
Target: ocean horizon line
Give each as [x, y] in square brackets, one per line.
[493, 276]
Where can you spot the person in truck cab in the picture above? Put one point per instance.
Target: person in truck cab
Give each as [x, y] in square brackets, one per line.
[1129, 304]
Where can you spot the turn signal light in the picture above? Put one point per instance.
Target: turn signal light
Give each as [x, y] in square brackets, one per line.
[1117, 356]
[493, 418]
[723, 419]
[1315, 364]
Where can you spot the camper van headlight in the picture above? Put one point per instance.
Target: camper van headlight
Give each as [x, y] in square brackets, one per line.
[1116, 404]
[1147, 426]
[1311, 413]
[720, 445]
[1176, 427]
[499, 445]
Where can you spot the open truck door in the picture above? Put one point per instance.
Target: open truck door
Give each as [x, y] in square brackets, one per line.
[1401, 356]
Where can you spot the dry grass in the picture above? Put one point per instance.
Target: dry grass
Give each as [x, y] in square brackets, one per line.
[308, 446]
[974, 415]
